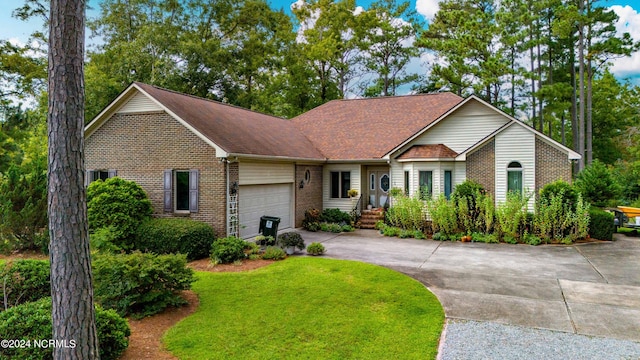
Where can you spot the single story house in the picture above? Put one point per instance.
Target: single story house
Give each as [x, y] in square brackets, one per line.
[228, 166]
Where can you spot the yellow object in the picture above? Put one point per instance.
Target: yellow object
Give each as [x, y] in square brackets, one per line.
[630, 211]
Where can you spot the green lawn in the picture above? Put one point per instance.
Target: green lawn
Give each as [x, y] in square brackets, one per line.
[310, 308]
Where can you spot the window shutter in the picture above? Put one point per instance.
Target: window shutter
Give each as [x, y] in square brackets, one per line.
[168, 193]
[88, 176]
[193, 190]
[112, 173]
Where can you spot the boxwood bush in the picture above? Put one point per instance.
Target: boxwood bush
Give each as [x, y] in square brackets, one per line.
[32, 321]
[175, 235]
[601, 226]
[119, 204]
[227, 250]
[140, 284]
[26, 280]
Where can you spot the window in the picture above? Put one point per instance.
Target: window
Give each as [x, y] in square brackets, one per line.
[181, 190]
[372, 182]
[93, 175]
[425, 181]
[406, 183]
[340, 184]
[447, 183]
[514, 177]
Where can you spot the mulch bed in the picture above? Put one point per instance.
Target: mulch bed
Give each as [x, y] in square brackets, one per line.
[146, 334]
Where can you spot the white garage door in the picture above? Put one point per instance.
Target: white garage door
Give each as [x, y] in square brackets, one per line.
[259, 200]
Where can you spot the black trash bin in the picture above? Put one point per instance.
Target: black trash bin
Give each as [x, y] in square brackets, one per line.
[269, 226]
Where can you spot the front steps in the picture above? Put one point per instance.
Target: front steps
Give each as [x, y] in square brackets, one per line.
[369, 218]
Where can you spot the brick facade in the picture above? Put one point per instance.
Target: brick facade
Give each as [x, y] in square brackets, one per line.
[310, 196]
[481, 166]
[551, 165]
[141, 146]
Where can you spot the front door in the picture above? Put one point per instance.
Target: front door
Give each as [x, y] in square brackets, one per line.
[378, 187]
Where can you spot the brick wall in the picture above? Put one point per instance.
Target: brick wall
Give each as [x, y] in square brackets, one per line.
[551, 165]
[481, 166]
[141, 146]
[310, 196]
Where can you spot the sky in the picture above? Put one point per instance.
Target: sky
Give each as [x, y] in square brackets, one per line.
[628, 11]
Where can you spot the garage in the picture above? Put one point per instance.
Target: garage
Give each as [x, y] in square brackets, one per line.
[258, 200]
[265, 189]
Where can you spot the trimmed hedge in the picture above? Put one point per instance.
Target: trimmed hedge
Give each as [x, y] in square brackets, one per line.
[140, 284]
[175, 235]
[119, 204]
[335, 216]
[26, 281]
[32, 321]
[601, 224]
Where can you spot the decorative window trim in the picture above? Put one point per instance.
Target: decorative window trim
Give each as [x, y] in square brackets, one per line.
[169, 183]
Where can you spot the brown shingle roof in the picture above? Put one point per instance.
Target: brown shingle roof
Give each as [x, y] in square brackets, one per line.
[438, 151]
[234, 129]
[370, 128]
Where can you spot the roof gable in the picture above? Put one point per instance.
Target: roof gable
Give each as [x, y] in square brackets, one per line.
[363, 129]
[428, 152]
[230, 129]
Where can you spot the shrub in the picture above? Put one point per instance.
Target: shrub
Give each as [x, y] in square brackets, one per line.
[140, 284]
[417, 234]
[511, 216]
[32, 321]
[348, 228]
[291, 238]
[274, 253]
[24, 281]
[333, 227]
[23, 206]
[227, 250]
[596, 183]
[175, 235]
[311, 220]
[567, 193]
[104, 239]
[601, 224]
[391, 231]
[443, 215]
[265, 240]
[118, 203]
[315, 248]
[406, 213]
[335, 216]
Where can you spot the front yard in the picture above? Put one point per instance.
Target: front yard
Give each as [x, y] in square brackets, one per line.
[309, 308]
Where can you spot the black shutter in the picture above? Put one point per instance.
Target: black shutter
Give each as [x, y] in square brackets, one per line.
[193, 190]
[88, 177]
[168, 193]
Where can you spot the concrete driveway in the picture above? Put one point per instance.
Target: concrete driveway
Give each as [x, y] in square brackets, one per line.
[589, 289]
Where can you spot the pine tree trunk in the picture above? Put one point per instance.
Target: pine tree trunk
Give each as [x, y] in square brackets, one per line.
[73, 311]
[581, 103]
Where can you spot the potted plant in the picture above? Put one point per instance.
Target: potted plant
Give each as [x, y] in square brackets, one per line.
[290, 241]
[352, 193]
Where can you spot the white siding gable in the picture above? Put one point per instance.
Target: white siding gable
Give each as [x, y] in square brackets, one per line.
[515, 143]
[463, 128]
[139, 103]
